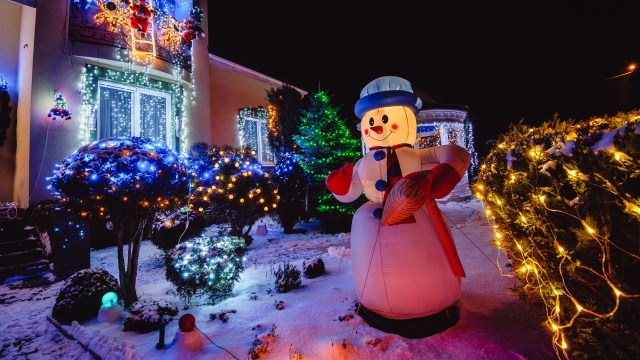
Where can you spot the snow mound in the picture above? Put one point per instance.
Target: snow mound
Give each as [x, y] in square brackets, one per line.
[97, 342]
[338, 251]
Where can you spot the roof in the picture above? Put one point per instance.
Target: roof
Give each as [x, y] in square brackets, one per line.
[245, 71]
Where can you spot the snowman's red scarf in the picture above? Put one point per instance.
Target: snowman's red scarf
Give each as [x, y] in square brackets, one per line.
[394, 174]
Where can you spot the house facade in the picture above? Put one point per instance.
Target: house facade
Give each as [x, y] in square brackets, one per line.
[123, 68]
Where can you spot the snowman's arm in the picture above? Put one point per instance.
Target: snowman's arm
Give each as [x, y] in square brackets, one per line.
[447, 165]
[355, 189]
[454, 155]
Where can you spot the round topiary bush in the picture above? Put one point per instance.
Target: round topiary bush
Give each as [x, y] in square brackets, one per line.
[564, 201]
[205, 266]
[314, 269]
[81, 295]
[147, 315]
[230, 184]
[126, 181]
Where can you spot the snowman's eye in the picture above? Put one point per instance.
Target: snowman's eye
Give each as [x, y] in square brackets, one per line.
[385, 119]
[371, 121]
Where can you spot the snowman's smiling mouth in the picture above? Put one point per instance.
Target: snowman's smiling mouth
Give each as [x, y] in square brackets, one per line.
[390, 132]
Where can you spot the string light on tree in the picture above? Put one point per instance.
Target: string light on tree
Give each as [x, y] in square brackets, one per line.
[127, 180]
[326, 144]
[240, 190]
[208, 266]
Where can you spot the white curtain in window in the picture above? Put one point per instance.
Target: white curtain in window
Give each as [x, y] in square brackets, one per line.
[265, 149]
[250, 134]
[115, 112]
[153, 117]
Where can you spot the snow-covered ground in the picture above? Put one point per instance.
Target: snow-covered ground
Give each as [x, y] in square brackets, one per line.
[493, 324]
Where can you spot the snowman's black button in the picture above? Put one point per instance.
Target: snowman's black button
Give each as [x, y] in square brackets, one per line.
[379, 155]
[377, 213]
[381, 185]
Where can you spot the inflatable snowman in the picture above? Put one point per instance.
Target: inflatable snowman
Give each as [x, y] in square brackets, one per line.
[405, 264]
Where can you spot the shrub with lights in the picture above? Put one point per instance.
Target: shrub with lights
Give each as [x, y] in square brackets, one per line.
[564, 199]
[127, 180]
[205, 266]
[231, 181]
[326, 144]
[289, 178]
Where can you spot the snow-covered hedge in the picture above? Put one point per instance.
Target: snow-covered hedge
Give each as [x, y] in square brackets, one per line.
[147, 315]
[80, 297]
[564, 201]
[207, 266]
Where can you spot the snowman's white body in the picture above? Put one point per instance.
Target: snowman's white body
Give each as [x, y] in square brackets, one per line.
[400, 271]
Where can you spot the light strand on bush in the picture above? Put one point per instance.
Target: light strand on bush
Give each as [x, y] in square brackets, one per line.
[559, 198]
[205, 266]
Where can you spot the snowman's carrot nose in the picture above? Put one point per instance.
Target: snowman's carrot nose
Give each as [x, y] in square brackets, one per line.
[377, 129]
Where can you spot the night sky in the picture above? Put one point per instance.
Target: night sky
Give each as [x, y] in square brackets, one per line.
[506, 62]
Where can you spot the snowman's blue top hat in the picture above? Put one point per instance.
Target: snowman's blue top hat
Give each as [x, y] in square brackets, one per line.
[387, 91]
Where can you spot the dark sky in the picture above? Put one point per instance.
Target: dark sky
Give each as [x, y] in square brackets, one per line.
[507, 62]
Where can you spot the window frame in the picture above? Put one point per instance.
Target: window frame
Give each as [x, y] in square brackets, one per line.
[259, 140]
[135, 108]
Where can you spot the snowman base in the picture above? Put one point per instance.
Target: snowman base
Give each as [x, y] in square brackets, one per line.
[412, 328]
[188, 339]
[110, 314]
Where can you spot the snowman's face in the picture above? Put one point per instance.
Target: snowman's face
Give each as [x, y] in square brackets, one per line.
[388, 126]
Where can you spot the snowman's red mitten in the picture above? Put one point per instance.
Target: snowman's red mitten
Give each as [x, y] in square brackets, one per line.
[444, 178]
[406, 197]
[339, 181]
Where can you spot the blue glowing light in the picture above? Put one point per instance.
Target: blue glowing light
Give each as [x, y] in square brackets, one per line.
[109, 299]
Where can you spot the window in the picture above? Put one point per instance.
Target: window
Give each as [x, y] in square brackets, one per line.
[132, 111]
[254, 132]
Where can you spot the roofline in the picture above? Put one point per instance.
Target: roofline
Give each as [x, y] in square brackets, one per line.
[245, 71]
[438, 106]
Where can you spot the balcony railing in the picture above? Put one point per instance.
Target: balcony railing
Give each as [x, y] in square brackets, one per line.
[99, 23]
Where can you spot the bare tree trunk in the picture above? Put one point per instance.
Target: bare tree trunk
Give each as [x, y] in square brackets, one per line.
[246, 233]
[132, 268]
[127, 275]
[121, 269]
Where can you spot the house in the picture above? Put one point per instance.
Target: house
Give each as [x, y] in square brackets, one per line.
[124, 68]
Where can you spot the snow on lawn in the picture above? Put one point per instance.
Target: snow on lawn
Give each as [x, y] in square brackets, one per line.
[493, 324]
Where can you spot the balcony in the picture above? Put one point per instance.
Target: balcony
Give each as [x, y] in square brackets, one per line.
[105, 23]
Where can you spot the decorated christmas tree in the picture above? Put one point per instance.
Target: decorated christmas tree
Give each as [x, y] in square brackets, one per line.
[59, 108]
[326, 144]
[563, 200]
